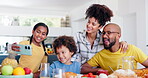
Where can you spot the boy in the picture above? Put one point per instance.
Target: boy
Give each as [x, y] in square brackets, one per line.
[65, 48]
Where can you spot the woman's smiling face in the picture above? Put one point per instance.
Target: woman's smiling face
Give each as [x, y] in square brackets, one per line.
[92, 25]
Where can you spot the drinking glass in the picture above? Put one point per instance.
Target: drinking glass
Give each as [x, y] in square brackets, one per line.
[44, 70]
[58, 73]
[128, 62]
[119, 65]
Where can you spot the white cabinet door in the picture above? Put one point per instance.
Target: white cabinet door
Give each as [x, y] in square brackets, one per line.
[27, 31]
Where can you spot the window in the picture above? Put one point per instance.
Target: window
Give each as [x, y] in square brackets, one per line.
[29, 20]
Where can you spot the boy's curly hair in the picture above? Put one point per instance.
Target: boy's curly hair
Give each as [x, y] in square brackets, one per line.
[100, 12]
[66, 41]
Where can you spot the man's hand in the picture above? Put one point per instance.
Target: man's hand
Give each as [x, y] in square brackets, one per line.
[86, 68]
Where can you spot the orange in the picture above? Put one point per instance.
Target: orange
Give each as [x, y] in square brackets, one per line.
[18, 71]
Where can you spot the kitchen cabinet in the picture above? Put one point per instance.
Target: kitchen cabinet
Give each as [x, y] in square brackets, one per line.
[27, 31]
[51, 58]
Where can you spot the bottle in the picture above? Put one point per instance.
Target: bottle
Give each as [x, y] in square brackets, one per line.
[67, 22]
[62, 22]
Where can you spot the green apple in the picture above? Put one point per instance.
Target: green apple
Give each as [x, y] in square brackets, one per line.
[7, 70]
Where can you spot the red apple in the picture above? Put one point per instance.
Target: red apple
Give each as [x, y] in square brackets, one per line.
[27, 70]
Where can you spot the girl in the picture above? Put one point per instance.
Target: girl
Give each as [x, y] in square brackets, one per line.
[39, 33]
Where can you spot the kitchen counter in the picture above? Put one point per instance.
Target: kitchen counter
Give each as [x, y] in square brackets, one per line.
[51, 58]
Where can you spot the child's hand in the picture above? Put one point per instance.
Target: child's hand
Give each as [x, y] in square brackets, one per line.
[14, 47]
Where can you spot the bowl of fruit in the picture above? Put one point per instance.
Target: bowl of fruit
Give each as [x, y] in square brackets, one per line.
[8, 71]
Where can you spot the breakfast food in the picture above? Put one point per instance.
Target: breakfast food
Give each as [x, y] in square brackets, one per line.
[112, 76]
[27, 70]
[123, 74]
[10, 60]
[7, 71]
[102, 71]
[70, 75]
[141, 72]
[18, 71]
[89, 75]
[102, 75]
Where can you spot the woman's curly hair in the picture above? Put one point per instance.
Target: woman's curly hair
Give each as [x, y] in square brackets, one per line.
[66, 41]
[100, 12]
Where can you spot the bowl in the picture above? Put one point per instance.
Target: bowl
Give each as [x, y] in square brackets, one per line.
[17, 76]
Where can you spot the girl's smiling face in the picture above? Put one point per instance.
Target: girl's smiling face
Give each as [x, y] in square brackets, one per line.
[64, 55]
[39, 34]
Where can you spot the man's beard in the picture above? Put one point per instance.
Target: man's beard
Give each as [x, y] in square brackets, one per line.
[110, 45]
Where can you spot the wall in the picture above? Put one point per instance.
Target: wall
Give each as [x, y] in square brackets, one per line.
[78, 21]
[146, 7]
[141, 25]
[129, 25]
[78, 14]
[138, 8]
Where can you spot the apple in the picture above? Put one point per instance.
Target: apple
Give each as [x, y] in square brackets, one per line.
[27, 70]
[7, 70]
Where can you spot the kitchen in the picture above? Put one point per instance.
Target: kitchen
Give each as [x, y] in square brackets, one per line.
[77, 15]
[133, 18]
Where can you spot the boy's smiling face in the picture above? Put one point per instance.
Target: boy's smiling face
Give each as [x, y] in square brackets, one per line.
[64, 55]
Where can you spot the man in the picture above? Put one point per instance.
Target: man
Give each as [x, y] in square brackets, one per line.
[88, 42]
[111, 54]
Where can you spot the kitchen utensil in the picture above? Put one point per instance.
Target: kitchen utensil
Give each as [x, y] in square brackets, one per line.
[111, 69]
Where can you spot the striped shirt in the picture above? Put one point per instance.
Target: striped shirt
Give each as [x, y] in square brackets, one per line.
[85, 52]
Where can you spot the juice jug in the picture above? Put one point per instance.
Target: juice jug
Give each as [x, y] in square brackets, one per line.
[127, 62]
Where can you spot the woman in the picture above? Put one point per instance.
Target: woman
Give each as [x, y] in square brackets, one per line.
[89, 41]
[39, 55]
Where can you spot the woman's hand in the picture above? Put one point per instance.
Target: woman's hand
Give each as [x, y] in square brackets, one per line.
[123, 46]
[14, 47]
